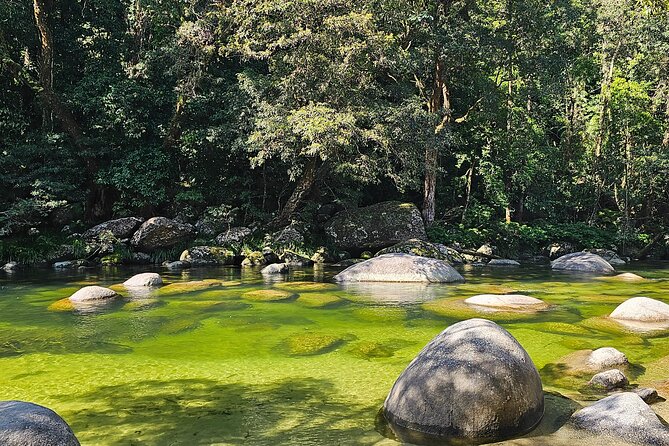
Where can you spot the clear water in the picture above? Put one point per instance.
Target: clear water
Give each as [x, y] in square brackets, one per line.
[217, 366]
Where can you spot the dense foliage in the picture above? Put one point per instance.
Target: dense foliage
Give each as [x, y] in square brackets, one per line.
[537, 113]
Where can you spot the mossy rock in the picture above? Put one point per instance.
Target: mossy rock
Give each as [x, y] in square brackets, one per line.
[268, 295]
[370, 350]
[62, 305]
[561, 328]
[611, 326]
[142, 304]
[458, 309]
[381, 314]
[318, 300]
[306, 344]
[119, 288]
[255, 258]
[188, 287]
[180, 326]
[306, 286]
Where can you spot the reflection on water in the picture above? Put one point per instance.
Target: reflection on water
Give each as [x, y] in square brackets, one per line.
[207, 366]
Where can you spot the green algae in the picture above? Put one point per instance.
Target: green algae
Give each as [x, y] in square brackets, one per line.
[205, 365]
[268, 295]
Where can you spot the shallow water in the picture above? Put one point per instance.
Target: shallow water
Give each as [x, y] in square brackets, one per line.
[221, 366]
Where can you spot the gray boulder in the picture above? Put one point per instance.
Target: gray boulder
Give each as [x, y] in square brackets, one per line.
[233, 236]
[418, 247]
[648, 395]
[144, 280]
[609, 380]
[503, 262]
[161, 232]
[642, 309]
[10, 266]
[375, 227]
[606, 357]
[208, 255]
[473, 383]
[275, 268]
[94, 292]
[292, 258]
[558, 249]
[176, 265]
[610, 256]
[624, 416]
[400, 268]
[27, 424]
[582, 262]
[291, 235]
[506, 301]
[121, 228]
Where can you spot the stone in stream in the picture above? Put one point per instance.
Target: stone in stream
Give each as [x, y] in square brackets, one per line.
[584, 262]
[275, 268]
[472, 383]
[400, 268]
[27, 424]
[625, 416]
[609, 380]
[144, 280]
[503, 262]
[506, 301]
[648, 395]
[121, 228]
[606, 357]
[93, 293]
[642, 309]
[628, 276]
[161, 232]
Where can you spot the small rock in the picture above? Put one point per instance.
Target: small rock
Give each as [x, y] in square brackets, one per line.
[176, 265]
[233, 236]
[292, 258]
[648, 395]
[628, 276]
[93, 292]
[505, 301]
[609, 380]
[275, 268]
[623, 415]
[144, 280]
[10, 266]
[254, 258]
[140, 258]
[208, 255]
[503, 262]
[27, 424]
[606, 357]
[485, 249]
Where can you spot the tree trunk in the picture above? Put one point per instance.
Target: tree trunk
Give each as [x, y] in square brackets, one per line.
[605, 97]
[42, 10]
[665, 140]
[301, 191]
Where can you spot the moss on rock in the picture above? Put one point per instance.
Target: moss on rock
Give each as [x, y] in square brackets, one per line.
[188, 287]
[62, 305]
[268, 295]
[318, 300]
[305, 344]
[306, 286]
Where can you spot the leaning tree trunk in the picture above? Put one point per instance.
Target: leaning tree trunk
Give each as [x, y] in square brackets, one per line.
[301, 191]
[42, 10]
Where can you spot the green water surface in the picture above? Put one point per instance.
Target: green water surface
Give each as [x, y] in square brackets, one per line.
[223, 365]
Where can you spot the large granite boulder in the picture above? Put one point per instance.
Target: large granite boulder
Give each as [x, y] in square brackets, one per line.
[473, 383]
[27, 424]
[625, 416]
[144, 280]
[93, 293]
[400, 268]
[584, 262]
[161, 232]
[642, 309]
[609, 255]
[233, 236]
[121, 228]
[375, 227]
[208, 255]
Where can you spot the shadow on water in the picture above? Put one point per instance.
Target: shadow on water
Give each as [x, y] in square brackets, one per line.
[201, 411]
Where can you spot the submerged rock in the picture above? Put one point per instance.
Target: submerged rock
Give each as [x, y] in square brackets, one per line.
[506, 301]
[400, 268]
[625, 416]
[268, 295]
[161, 232]
[275, 268]
[93, 292]
[582, 262]
[628, 276]
[10, 266]
[28, 424]
[144, 280]
[473, 383]
[312, 344]
[642, 309]
[375, 227]
[503, 262]
[609, 380]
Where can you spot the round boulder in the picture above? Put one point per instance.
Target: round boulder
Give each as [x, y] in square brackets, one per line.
[92, 293]
[473, 383]
[23, 424]
[121, 228]
[400, 268]
[275, 268]
[503, 262]
[609, 380]
[584, 262]
[506, 301]
[144, 280]
[642, 309]
[625, 416]
[606, 357]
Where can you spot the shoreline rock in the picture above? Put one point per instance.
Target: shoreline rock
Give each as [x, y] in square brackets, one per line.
[400, 268]
[23, 423]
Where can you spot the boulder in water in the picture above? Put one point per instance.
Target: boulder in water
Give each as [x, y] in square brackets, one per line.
[609, 380]
[28, 424]
[121, 228]
[161, 232]
[144, 280]
[93, 293]
[400, 268]
[642, 309]
[503, 262]
[584, 262]
[506, 301]
[275, 268]
[606, 357]
[473, 383]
